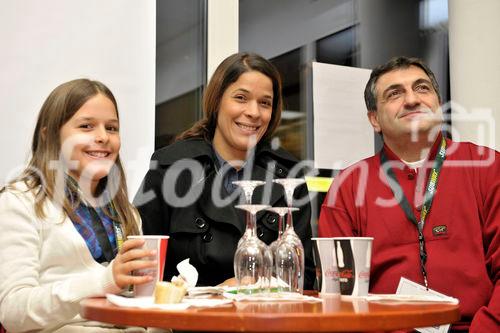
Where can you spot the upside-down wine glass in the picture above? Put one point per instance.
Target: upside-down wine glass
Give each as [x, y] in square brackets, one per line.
[289, 235]
[286, 266]
[248, 186]
[252, 268]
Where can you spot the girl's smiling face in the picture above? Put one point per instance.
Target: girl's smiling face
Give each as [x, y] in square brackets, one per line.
[91, 139]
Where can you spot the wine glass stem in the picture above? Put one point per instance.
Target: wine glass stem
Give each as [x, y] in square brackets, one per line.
[252, 224]
[248, 218]
[248, 195]
[280, 226]
[248, 199]
[289, 223]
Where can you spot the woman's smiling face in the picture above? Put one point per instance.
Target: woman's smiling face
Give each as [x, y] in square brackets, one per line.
[244, 114]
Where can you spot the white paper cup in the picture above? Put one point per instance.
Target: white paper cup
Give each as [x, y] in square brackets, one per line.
[152, 242]
[326, 266]
[353, 261]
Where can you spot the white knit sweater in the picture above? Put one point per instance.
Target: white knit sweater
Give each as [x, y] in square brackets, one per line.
[46, 268]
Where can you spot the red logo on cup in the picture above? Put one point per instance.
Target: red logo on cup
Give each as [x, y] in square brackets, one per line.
[364, 275]
[331, 273]
[346, 274]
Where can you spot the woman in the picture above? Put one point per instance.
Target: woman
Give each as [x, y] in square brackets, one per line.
[188, 191]
[65, 219]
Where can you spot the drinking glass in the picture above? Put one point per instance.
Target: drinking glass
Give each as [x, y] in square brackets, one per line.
[281, 211]
[289, 235]
[287, 266]
[286, 261]
[248, 186]
[252, 260]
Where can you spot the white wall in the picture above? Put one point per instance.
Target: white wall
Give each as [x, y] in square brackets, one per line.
[222, 32]
[475, 71]
[45, 43]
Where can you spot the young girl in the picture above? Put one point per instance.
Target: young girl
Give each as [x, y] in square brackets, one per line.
[65, 219]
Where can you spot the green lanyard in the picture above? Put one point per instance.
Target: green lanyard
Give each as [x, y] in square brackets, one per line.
[430, 191]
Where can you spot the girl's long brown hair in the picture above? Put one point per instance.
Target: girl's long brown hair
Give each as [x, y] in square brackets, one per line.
[40, 175]
[227, 73]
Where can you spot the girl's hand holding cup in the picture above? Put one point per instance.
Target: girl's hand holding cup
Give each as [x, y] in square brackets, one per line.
[132, 257]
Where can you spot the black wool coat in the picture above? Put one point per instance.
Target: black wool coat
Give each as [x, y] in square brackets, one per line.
[177, 198]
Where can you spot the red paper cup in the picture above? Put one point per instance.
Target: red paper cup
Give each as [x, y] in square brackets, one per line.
[152, 242]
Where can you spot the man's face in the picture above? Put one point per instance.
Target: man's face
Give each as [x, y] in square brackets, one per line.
[406, 104]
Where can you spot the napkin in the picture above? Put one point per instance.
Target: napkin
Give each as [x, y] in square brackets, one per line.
[143, 303]
[148, 303]
[205, 291]
[188, 273]
[410, 298]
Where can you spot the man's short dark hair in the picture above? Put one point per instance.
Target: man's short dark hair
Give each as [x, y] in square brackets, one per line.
[394, 64]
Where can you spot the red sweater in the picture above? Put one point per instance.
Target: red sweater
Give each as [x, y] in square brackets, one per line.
[462, 230]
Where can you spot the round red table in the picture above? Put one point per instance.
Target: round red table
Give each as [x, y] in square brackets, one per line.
[333, 315]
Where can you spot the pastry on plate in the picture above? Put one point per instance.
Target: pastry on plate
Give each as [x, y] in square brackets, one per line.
[170, 292]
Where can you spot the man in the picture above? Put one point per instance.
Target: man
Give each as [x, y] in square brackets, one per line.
[431, 204]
